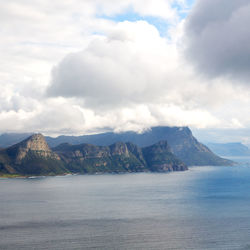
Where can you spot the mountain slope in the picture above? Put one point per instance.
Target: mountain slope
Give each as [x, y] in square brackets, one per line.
[159, 158]
[230, 149]
[34, 157]
[119, 157]
[183, 144]
[31, 157]
[86, 158]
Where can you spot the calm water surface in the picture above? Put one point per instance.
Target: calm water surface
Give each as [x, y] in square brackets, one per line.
[203, 208]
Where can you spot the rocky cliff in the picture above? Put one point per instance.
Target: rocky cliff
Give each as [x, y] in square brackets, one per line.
[182, 143]
[181, 140]
[34, 157]
[31, 157]
[35, 144]
[159, 158]
[119, 157]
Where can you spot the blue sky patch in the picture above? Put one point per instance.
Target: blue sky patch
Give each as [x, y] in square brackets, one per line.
[183, 12]
[161, 24]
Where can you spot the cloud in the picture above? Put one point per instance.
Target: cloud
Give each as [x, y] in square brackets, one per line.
[133, 79]
[66, 116]
[113, 75]
[132, 64]
[217, 38]
[120, 80]
[134, 67]
[47, 116]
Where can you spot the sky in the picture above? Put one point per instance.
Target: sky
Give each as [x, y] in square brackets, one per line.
[76, 67]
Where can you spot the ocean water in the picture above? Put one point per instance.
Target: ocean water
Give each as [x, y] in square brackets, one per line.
[203, 208]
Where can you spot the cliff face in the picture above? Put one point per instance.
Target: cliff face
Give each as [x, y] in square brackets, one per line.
[87, 158]
[187, 148]
[183, 144]
[30, 157]
[35, 144]
[119, 157]
[159, 158]
[34, 157]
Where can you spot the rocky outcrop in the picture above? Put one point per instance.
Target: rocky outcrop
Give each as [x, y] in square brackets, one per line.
[87, 158]
[160, 159]
[119, 148]
[181, 140]
[35, 144]
[34, 157]
[119, 157]
[31, 157]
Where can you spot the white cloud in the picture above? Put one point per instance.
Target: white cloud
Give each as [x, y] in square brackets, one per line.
[60, 116]
[107, 74]
[132, 64]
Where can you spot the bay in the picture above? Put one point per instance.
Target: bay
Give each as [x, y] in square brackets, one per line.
[203, 208]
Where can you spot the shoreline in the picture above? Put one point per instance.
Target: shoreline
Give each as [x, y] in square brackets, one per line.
[16, 176]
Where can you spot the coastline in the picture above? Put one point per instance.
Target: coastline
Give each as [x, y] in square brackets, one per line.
[16, 176]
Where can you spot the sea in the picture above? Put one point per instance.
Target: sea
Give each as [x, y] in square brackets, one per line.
[203, 208]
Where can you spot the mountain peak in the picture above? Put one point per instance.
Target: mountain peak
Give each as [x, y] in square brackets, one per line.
[160, 158]
[36, 142]
[31, 157]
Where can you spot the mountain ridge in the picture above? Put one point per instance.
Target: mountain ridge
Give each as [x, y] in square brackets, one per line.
[230, 149]
[181, 140]
[31, 156]
[34, 157]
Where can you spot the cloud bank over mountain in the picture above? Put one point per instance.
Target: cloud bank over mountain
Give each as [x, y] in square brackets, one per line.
[88, 66]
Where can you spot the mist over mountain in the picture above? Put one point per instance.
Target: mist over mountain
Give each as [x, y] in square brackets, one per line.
[230, 149]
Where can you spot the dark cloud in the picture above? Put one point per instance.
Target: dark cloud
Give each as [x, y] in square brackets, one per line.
[217, 38]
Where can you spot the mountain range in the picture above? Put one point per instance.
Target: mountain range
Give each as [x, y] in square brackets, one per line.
[95, 153]
[230, 149]
[181, 140]
[34, 157]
